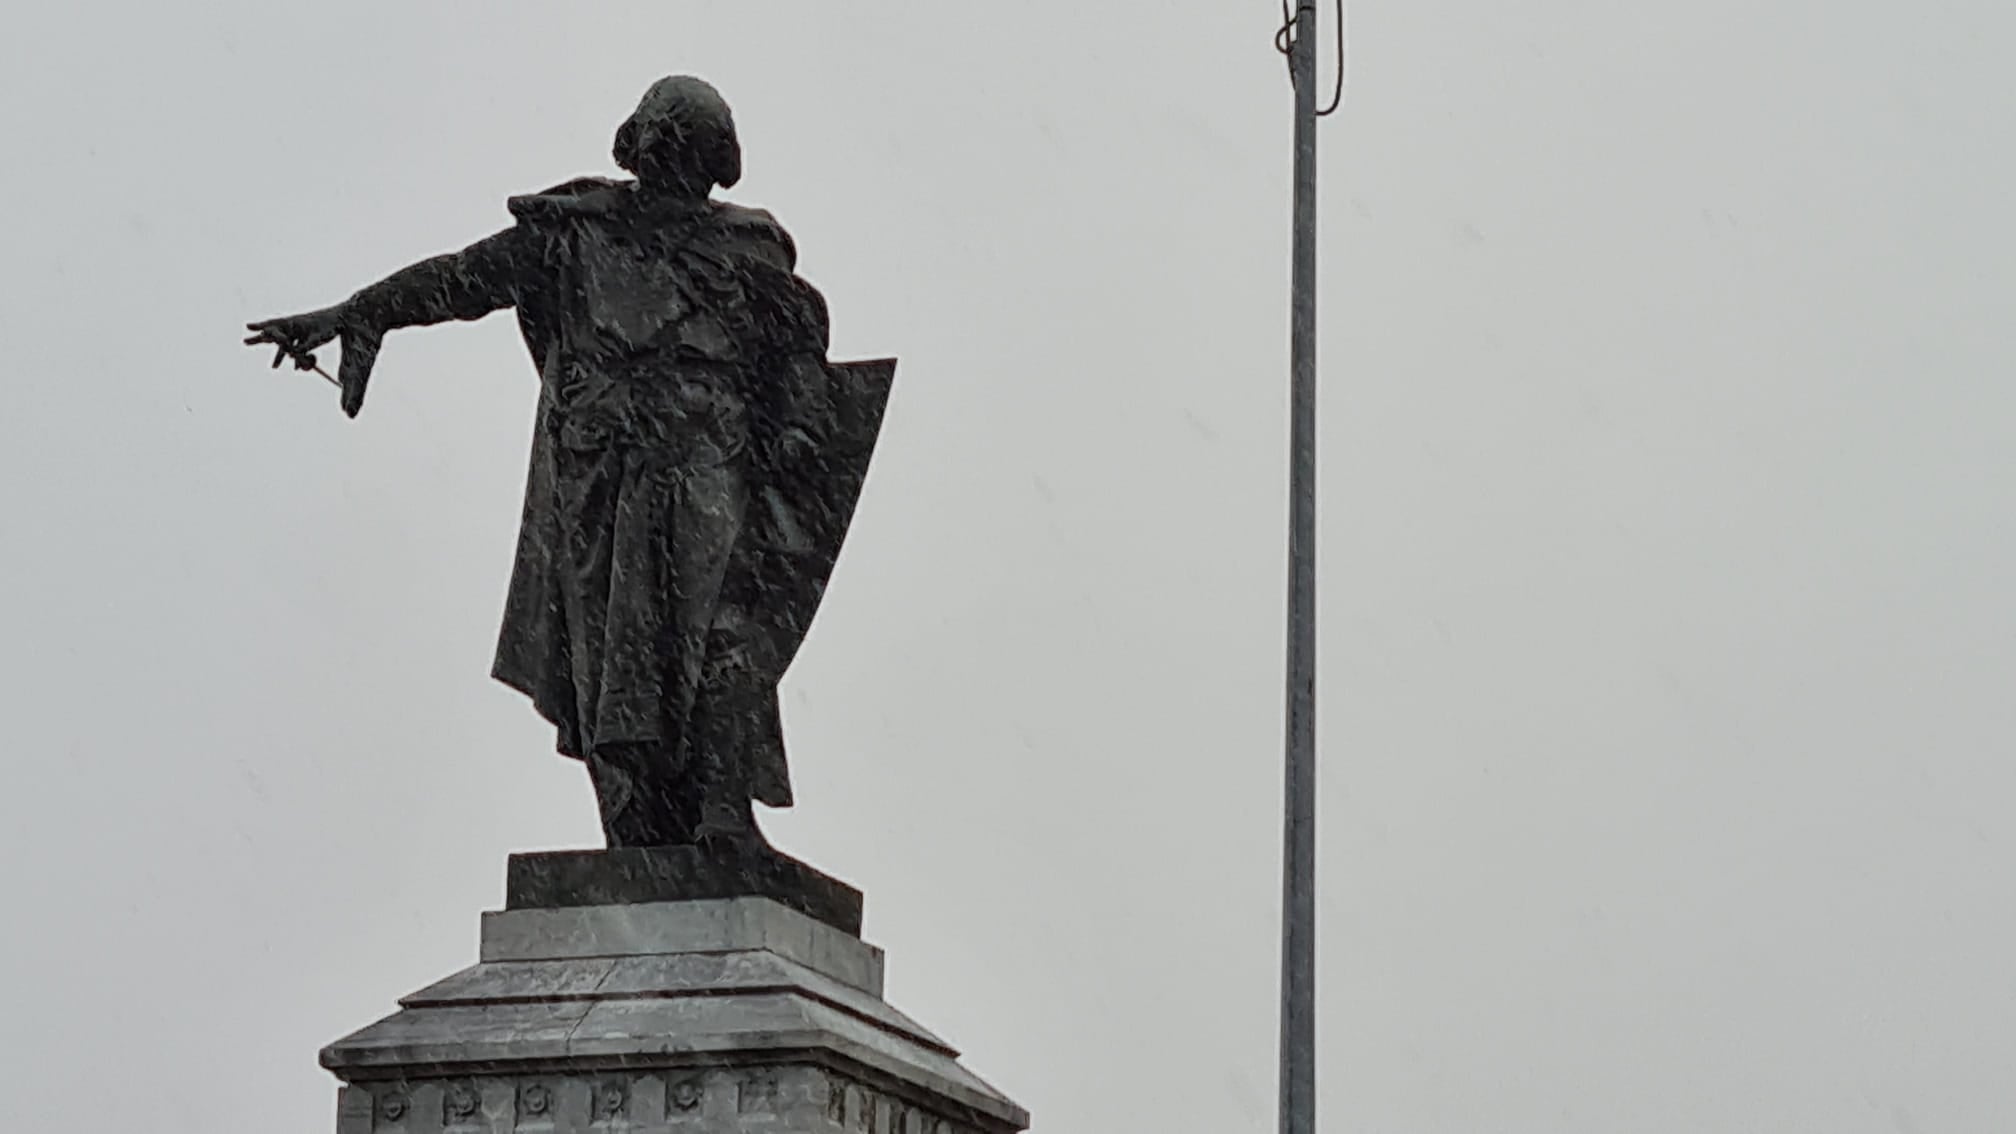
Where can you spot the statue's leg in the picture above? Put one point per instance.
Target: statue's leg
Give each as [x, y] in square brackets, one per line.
[643, 801]
[614, 791]
[735, 687]
[707, 524]
[669, 533]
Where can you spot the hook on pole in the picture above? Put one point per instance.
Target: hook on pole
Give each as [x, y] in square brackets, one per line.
[1284, 42]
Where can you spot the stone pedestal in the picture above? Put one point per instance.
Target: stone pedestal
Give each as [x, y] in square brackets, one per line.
[711, 1015]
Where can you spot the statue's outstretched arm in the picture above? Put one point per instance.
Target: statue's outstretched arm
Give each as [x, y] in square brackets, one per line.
[468, 284]
[484, 277]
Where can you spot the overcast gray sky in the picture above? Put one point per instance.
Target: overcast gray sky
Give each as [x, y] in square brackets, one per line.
[1667, 638]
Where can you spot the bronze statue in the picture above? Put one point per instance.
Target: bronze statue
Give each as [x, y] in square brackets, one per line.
[694, 466]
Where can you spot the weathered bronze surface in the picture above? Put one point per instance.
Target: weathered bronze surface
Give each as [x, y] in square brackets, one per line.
[694, 466]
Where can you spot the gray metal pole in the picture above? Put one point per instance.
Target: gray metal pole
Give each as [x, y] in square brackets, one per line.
[1298, 892]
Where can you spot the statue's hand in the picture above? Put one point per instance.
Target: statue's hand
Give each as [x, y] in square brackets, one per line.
[295, 336]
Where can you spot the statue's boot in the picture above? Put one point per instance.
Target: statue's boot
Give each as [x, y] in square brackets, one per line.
[640, 805]
[726, 825]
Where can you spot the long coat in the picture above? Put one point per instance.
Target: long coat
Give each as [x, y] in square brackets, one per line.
[634, 320]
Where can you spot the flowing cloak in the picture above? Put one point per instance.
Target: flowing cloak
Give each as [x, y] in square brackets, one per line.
[812, 426]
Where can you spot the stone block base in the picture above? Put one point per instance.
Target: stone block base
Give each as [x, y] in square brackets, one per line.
[692, 1017]
[678, 874]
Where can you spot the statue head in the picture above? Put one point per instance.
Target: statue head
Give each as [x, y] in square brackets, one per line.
[681, 137]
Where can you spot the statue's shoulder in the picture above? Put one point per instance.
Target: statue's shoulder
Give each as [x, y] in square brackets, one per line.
[757, 230]
[583, 196]
[745, 218]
